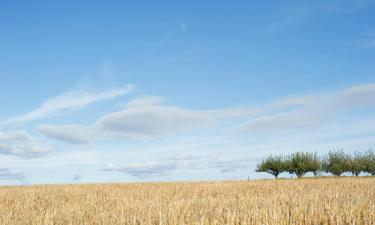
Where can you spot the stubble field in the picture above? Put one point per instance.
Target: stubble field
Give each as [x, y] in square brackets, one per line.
[302, 201]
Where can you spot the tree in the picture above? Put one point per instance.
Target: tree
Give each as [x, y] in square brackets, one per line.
[300, 163]
[297, 163]
[336, 163]
[315, 164]
[369, 162]
[356, 164]
[273, 165]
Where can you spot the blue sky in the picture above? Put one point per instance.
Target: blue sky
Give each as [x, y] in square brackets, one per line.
[119, 91]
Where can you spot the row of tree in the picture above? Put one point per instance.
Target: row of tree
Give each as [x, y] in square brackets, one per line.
[335, 163]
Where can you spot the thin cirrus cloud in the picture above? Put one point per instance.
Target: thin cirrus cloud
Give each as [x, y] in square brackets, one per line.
[142, 118]
[228, 166]
[192, 163]
[316, 110]
[20, 143]
[68, 101]
[10, 175]
[150, 117]
[295, 13]
[144, 170]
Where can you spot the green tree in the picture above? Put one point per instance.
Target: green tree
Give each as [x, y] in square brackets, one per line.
[315, 164]
[356, 164]
[300, 163]
[297, 163]
[369, 162]
[274, 165]
[336, 163]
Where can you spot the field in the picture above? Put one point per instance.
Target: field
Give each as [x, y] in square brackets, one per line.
[302, 201]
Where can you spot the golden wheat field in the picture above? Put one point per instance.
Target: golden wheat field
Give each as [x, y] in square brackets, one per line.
[302, 201]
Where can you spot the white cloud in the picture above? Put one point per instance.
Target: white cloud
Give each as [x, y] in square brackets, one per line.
[73, 134]
[314, 111]
[293, 13]
[150, 117]
[68, 101]
[186, 163]
[7, 174]
[143, 118]
[231, 165]
[144, 170]
[20, 143]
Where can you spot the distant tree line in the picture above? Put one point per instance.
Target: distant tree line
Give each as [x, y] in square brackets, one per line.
[335, 163]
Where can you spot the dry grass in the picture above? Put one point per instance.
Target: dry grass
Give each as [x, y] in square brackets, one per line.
[305, 201]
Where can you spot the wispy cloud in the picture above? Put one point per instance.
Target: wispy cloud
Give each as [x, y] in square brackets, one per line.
[20, 143]
[10, 175]
[68, 101]
[162, 167]
[72, 134]
[143, 118]
[316, 110]
[186, 163]
[150, 117]
[291, 13]
[144, 170]
[294, 13]
[231, 165]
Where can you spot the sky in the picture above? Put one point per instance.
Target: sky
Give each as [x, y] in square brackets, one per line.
[125, 91]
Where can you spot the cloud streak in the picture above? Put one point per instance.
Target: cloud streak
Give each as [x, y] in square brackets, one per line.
[149, 117]
[72, 134]
[316, 110]
[294, 13]
[68, 101]
[9, 175]
[20, 143]
[230, 165]
[144, 170]
[186, 163]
